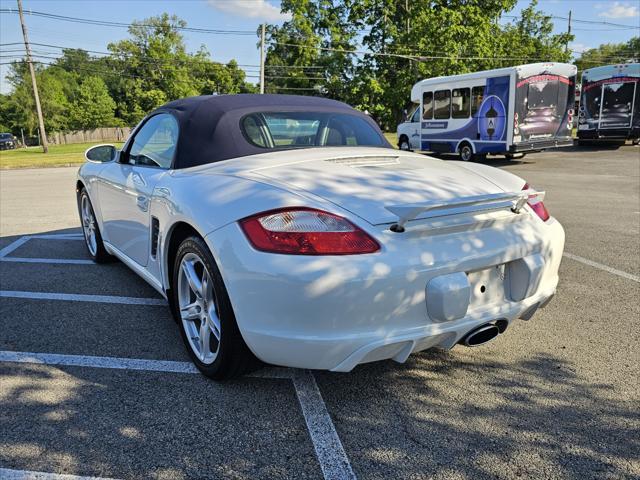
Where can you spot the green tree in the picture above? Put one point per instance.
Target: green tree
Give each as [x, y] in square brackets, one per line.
[420, 40]
[20, 106]
[307, 53]
[609, 53]
[531, 39]
[92, 106]
[154, 66]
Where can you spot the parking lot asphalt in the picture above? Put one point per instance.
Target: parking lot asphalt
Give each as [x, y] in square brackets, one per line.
[554, 397]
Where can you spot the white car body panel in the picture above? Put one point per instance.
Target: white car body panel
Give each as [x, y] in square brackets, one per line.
[334, 312]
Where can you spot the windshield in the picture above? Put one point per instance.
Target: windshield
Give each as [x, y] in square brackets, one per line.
[5, 136]
[308, 129]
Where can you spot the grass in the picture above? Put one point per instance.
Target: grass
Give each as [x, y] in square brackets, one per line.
[58, 156]
[391, 138]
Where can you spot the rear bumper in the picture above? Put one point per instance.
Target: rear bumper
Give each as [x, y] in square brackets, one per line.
[612, 134]
[333, 313]
[535, 146]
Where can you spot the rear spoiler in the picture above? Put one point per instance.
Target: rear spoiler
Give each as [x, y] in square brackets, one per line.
[513, 201]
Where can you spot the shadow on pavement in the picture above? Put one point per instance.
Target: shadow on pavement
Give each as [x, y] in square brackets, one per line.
[449, 415]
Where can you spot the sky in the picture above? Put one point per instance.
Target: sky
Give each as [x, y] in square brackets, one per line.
[248, 15]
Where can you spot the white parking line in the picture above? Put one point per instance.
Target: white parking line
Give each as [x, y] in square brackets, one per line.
[326, 443]
[606, 268]
[72, 261]
[57, 236]
[331, 455]
[77, 297]
[118, 363]
[13, 246]
[7, 474]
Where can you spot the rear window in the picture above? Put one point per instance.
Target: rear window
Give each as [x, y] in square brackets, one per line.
[308, 129]
[543, 95]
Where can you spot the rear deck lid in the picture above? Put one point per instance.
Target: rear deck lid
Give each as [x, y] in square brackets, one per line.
[366, 184]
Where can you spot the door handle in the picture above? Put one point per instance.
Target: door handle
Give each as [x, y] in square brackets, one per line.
[143, 202]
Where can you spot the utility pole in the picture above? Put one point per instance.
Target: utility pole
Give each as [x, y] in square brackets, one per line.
[262, 59]
[568, 32]
[43, 135]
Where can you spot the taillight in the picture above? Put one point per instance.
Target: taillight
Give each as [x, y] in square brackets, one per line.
[306, 231]
[537, 205]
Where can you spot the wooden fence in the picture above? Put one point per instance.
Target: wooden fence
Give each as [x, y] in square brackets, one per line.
[104, 134]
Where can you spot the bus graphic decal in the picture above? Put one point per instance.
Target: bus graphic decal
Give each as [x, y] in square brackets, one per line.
[491, 118]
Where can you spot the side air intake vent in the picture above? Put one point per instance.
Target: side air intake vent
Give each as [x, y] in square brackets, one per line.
[155, 235]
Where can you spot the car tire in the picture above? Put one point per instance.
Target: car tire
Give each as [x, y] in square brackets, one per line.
[91, 230]
[201, 306]
[404, 144]
[466, 152]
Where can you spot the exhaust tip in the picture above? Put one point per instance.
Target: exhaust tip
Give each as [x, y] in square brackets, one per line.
[481, 335]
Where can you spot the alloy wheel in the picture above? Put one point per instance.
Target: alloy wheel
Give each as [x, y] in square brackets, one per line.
[89, 225]
[198, 310]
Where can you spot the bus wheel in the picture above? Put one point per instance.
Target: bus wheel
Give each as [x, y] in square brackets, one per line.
[404, 144]
[466, 152]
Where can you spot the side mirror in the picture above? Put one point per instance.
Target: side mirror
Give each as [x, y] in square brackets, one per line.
[101, 153]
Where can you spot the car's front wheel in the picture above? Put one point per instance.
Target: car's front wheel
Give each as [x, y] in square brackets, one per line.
[203, 310]
[90, 230]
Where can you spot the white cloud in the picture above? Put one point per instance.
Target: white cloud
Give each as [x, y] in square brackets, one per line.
[578, 47]
[260, 9]
[620, 10]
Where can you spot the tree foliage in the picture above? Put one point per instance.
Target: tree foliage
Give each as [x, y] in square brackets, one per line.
[609, 53]
[92, 106]
[365, 52]
[411, 41]
[81, 91]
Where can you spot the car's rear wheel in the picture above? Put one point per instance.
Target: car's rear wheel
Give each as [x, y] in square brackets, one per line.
[204, 313]
[90, 230]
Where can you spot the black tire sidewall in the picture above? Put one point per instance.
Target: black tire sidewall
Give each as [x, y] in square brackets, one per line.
[231, 343]
[101, 255]
[462, 149]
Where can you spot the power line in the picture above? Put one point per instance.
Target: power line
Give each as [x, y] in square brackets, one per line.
[107, 23]
[576, 20]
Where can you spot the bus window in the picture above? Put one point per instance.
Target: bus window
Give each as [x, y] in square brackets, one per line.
[543, 95]
[477, 95]
[460, 103]
[616, 104]
[442, 104]
[427, 105]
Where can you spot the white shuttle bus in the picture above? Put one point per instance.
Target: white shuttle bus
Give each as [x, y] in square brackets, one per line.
[610, 104]
[507, 111]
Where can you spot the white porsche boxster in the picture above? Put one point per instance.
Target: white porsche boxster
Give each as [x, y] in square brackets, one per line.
[286, 228]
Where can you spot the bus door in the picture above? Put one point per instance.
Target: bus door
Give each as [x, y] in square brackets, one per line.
[616, 107]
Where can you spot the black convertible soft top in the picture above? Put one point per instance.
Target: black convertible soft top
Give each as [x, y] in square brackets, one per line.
[210, 125]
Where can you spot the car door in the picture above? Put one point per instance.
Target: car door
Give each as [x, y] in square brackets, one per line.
[414, 138]
[126, 186]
